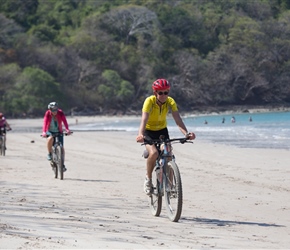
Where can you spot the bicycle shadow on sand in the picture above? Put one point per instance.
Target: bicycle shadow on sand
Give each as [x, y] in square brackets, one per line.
[87, 180]
[222, 223]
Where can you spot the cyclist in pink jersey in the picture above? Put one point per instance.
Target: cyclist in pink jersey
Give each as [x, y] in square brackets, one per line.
[153, 123]
[53, 121]
[4, 126]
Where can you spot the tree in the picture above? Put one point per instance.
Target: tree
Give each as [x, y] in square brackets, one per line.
[127, 21]
[116, 92]
[9, 31]
[8, 76]
[34, 88]
[23, 12]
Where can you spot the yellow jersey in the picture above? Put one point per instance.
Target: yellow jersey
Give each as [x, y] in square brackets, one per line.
[157, 115]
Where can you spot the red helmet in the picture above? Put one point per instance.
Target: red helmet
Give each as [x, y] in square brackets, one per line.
[160, 84]
[1, 115]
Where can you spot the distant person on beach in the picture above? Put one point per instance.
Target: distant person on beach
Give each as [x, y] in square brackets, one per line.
[153, 123]
[233, 119]
[53, 120]
[205, 122]
[250, 119]
[4, 126]
[223, 120]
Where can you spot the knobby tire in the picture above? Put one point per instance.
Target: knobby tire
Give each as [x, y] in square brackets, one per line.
[173, 191]
[55, 169]
[2, 147]
[53, 164]
[155, 199]
[1, 142]
[59, 161]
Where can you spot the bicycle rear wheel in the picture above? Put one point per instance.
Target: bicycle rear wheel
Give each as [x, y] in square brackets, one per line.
[1, 142]
[59, 161]
[155, 199]
[173, 191]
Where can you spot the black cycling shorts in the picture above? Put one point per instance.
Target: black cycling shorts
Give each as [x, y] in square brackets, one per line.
[60, 138]
[150, 134]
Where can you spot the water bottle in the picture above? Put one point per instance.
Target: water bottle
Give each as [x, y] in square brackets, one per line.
[157, 170]
[145, 154]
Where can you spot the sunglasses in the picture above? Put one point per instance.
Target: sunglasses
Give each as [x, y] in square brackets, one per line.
[163, 93]
[54, 110]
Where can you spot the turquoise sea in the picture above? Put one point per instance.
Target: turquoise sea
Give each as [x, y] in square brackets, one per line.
[266, 130]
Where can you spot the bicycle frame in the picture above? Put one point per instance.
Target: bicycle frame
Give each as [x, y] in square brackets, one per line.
[56, 143]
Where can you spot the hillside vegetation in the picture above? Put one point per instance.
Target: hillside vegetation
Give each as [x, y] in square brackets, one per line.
[100, 57]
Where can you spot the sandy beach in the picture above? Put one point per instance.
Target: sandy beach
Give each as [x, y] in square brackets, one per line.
[234, 198]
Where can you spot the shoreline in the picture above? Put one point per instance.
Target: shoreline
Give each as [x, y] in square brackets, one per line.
[211, 111]
[229, 135]
[240, 110]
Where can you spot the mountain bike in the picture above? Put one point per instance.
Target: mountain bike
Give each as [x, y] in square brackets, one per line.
[2, 140]
[57, 159]
[166, 179]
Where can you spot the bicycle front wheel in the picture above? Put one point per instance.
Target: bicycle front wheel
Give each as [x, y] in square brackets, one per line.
[3, 148]
[59, 161]
[173, 191]
[155, 199]
[54, 168]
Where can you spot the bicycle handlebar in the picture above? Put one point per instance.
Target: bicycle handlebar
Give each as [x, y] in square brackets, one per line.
[56, 134]
[162, 140]
[3, 128]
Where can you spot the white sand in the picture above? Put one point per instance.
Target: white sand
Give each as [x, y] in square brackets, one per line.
[233, 198]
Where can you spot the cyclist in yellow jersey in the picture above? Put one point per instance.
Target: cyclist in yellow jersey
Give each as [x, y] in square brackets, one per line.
[153, 123]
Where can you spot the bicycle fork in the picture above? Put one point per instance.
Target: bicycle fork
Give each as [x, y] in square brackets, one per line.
[54, 157]
[163, 176]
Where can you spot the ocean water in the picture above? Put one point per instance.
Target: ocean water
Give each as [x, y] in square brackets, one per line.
[266, 130]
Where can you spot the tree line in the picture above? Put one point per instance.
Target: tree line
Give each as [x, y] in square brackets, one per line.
[100, 57]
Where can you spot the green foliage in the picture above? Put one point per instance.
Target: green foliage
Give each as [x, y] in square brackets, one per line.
[8, 73]
[285, 5]
[126, 22]
[116, 92]
[21, 11]
[43, 32]
[9, 32]
[104, 55]
[125, 92]
[34, 88]
[246, 33]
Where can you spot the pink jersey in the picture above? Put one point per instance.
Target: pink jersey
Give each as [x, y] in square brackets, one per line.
[2, 122]
[61, 119]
